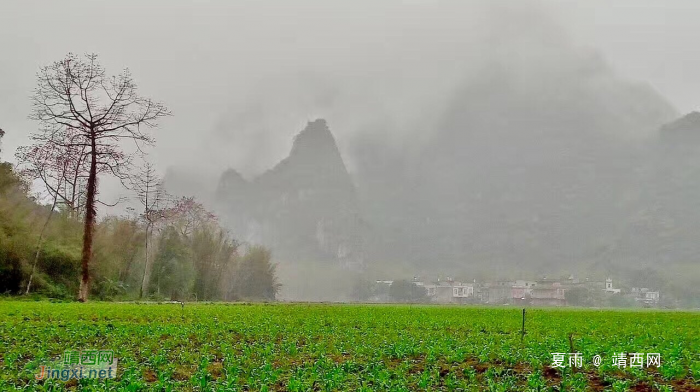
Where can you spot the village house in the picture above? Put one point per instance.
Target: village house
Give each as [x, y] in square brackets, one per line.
[497, 292]
[507, 292]
[543, 292]
[609, 287]
[521, 291]
[645, 296]
[548, 293]
[449, 291]
[462, 290]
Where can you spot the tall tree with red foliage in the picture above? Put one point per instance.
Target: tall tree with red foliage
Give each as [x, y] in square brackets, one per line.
[75, 94]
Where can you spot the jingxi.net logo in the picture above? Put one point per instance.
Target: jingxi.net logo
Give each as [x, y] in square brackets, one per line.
[81, 364]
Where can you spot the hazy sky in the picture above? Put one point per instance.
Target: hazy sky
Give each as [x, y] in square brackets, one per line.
[242, 77]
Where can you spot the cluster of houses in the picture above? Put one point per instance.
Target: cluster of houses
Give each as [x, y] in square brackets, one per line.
[542, 292]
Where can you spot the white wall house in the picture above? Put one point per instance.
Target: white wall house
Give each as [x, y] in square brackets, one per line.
[644, 295]
[463, 291]
[609, 287]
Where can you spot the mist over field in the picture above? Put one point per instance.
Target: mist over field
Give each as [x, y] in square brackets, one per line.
[393, 140]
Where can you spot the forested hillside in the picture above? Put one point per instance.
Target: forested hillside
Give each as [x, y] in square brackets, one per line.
[192, 258]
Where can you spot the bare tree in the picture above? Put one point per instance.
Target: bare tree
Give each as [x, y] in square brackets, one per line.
[50, 168]
[62, 169]
[154, 199]
[75, 94]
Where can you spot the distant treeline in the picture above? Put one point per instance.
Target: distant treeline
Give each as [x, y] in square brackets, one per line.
[191, 257]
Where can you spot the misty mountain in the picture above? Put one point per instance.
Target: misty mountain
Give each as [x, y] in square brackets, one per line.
[541, 160]
[529, 188]
[684, 129]
[305, 208]
[534, 169]
[600, 203]
[663, 229]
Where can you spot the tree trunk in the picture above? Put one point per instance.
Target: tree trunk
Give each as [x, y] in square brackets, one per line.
[147, 267]
[89, 227]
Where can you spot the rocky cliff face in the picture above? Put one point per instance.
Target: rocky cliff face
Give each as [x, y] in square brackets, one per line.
[305, 208]
[684, 129]
[667, 218]
[526, 170]
[573, 199]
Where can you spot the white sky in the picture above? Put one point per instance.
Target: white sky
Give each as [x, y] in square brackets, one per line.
[242, 77]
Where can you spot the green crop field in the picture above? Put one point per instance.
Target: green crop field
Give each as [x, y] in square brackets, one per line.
[299, 347]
